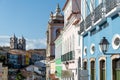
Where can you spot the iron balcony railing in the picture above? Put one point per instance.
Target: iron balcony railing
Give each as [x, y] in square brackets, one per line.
[111, 4]
[82, 25]
[98, 12]
[88, 21]
[68, 56]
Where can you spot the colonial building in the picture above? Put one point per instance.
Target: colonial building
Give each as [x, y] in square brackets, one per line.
[16, 43]
[70, 40]
[17, 58]
[3, 72]
[58, 53]
[99, 30]
[17, 54]
[36, 55]
[55, 24]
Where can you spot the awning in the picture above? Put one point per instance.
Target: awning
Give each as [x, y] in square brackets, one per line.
[67, 73]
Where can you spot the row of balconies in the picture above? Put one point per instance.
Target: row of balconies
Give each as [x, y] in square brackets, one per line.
[68, 56]
[98, 13]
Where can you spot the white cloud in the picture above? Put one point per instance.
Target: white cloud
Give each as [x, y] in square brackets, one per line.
[30, 43]
[35, 43]
[4, 41]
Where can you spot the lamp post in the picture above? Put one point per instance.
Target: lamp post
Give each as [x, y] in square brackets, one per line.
[104, 45]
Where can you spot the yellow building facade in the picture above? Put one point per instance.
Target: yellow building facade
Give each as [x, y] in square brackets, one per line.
[4, 73]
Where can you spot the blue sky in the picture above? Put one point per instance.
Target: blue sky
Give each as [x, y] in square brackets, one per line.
[28, 18]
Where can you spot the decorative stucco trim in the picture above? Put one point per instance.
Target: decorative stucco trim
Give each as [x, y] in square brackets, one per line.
[85, 60]
[92, 51]
[92, 59]
[85, 51]
[115, 42]
[102, 58]
[115, 56]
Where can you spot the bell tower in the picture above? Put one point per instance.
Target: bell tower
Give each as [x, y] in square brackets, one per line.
[55, 24]
[23, 43]
[16, 43]
[13, 42]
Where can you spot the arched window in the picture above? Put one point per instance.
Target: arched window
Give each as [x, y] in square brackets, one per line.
[85, 65]
[116, 69]
[102, 70]
[92, 70]
[58, 32]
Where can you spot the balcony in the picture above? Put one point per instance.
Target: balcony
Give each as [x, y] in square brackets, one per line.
[68, 56]
[111, 4]
[98, 12]
[82, 26]
[88, 21]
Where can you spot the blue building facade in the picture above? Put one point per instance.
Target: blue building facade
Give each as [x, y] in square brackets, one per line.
[102, 21]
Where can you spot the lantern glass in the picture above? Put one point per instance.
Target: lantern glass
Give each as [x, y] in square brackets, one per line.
[104, 45]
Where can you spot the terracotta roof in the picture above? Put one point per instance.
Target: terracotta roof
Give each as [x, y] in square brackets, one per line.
[17, 52]
[36, 50]
[26, 73]
[52, 76]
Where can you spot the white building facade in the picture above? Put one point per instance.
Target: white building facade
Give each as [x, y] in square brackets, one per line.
[71, 57]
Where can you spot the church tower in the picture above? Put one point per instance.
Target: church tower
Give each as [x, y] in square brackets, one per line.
[13, 42]
[22, 44]
[55, 24]
[16, 43]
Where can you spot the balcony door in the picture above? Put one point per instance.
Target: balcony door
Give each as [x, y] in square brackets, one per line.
[116, 69]
[102, 70]
[93, 70]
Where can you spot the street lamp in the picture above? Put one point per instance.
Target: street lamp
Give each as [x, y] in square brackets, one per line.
[104, 44]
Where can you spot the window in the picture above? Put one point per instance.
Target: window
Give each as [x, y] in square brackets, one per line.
[116, 69]
[102, 70]
[85, 65]
[57, 32]
[92, 70]
[71, 55]
[85, 51]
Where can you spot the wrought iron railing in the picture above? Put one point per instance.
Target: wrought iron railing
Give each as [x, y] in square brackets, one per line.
[98, 12]
[111, 4]
[88, 21]
[68, 56]
[82, 25]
